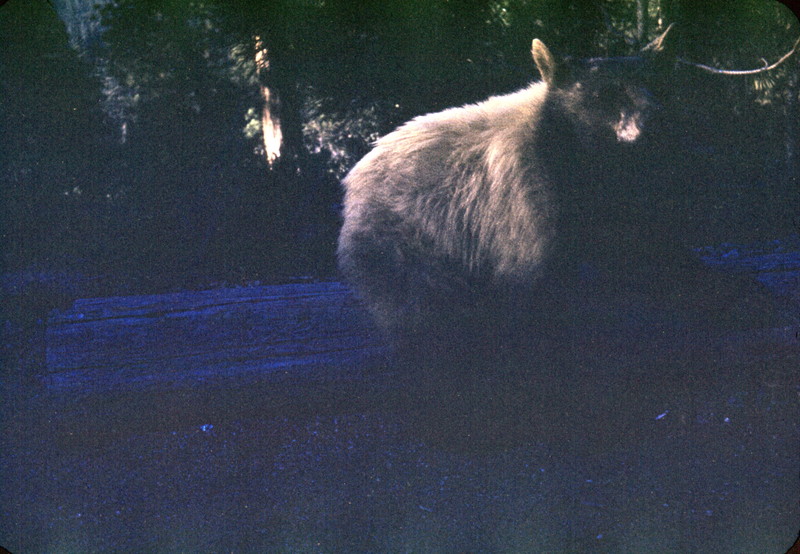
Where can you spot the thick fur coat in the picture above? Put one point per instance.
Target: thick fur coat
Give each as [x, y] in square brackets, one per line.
[469, 213]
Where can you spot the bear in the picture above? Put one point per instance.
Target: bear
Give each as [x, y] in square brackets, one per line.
[477, 219]
[466, 215]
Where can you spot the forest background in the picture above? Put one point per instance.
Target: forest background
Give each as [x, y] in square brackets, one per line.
[150, 146]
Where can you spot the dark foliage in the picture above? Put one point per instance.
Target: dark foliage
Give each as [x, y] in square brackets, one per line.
[124, 156]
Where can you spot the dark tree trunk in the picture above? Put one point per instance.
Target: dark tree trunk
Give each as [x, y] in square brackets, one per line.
[641, 21]
[792, 138]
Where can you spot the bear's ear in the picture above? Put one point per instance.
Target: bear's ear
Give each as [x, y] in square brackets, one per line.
[658, 45]
[545, 62]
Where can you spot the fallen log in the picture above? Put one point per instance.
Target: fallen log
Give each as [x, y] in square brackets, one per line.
[213, 336]
[121, 365]
[313, 332]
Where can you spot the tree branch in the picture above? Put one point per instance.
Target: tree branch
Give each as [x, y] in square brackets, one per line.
[744, 71]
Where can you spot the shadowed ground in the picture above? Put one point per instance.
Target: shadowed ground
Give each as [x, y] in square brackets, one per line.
[635, 434]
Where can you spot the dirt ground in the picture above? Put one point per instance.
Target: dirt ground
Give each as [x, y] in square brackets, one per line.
[607, 450]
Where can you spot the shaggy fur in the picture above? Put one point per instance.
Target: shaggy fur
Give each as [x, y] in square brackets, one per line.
[467, 214]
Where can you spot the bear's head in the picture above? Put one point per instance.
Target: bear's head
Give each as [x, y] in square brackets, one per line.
[606, 100]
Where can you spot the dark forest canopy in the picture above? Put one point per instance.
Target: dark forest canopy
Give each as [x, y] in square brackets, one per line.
[178, 144]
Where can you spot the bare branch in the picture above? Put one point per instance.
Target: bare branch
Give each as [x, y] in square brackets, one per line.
[766, 67]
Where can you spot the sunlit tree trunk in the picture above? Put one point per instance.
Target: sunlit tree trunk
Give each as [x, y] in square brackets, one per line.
[272, 136]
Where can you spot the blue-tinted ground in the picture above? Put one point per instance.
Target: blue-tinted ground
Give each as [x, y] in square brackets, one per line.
[617, 443]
